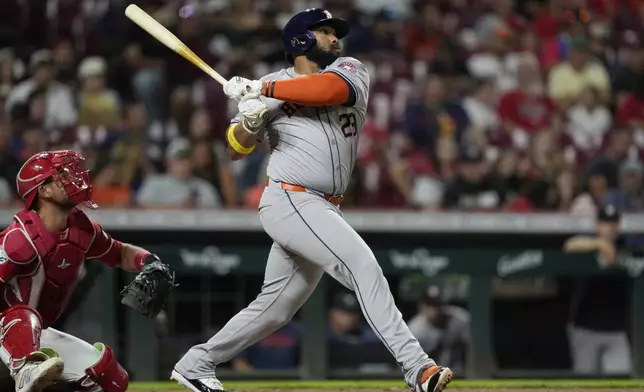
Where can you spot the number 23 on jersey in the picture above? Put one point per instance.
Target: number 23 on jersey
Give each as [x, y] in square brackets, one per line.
[348, 124]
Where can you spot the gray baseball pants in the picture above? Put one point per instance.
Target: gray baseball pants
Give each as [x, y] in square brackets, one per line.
[310, 238]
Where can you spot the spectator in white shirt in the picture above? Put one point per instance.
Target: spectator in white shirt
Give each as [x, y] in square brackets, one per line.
[179, 187]
[481, 106]
[59, 100]
[588, 120]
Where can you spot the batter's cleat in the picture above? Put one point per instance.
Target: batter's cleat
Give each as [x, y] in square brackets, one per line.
[433, 379]
[34, 376]
[208, 384]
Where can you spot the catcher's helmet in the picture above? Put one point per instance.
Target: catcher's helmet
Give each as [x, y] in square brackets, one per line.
[297, 36]
[65, 167]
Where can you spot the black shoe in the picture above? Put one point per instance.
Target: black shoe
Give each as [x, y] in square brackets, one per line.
[433, 379]
[208, 384]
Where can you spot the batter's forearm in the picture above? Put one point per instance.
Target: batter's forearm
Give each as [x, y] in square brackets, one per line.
[132, 257]
[310, 90]
[244, 139]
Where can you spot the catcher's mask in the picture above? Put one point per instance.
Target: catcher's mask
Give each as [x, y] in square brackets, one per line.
[65, 168]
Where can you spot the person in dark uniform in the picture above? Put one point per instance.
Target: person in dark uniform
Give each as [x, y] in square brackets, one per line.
[443, 330]
[600, 308]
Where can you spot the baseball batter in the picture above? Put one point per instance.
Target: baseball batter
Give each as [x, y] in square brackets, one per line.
[311, 114]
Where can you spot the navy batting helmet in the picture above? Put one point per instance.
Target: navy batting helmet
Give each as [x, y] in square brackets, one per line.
[297, 35]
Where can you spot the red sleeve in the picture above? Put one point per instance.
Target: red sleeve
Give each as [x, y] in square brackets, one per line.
[104, 248]
[15, 250]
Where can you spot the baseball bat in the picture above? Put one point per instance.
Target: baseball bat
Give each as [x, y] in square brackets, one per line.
[163, 35]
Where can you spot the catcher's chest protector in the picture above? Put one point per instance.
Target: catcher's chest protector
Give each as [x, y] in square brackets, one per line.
[61, 257]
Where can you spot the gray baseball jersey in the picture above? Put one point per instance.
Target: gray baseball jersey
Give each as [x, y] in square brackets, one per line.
[316, 147]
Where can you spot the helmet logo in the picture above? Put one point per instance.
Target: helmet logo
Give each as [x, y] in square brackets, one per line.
[37, 167]
[297, 41]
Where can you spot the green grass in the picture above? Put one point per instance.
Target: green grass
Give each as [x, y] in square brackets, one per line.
[372, 384]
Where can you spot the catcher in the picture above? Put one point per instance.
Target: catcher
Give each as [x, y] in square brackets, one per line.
[41, 255]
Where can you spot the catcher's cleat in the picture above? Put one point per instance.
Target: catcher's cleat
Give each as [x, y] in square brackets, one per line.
[35, 376]
[433, 379]
[208, 384]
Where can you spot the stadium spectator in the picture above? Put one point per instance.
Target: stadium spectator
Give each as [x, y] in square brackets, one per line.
[568, 79]
[594, 191]
[209, 161]
[434, 117]
[98, 106]
[628, 197]
[618, 145]
[526, 109]
[630, 112]
[599, 313]
[278, 350]
[480, 107]
[628, 71]
[382, 35]
[442, 330]
[65, 63]
[475, 188]
[423, 32]
[345, 325]
[491, 58]
[117, 153]
[382, 180]
[33, 139]
[6, 193]
[588, 121]
[59, 107]
[9, 163]
[179, 188]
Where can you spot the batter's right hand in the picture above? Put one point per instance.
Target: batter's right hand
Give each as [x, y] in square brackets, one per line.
[237, 87]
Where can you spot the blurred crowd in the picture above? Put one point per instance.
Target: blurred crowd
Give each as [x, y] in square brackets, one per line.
[475, 105]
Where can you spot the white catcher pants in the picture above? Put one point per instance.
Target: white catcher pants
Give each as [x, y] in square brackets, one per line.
[76, 353]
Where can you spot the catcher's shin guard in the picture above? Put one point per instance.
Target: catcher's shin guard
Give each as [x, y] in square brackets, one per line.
[20, 328]
[107, 373]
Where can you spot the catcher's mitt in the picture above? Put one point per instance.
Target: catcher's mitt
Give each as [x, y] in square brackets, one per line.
[148, 292]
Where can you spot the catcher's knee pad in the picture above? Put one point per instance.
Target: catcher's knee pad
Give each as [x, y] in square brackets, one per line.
[20, 329]
[107, 373]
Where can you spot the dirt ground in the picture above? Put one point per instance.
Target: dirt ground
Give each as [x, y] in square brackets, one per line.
[448, 390]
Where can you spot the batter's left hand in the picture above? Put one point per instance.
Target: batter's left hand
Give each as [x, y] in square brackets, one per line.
[237, 87]
[253, 108]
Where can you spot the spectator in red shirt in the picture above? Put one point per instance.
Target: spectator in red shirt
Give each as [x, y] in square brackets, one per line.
[546, 25]
[378, 187]
[631, 111]
[424, 34]
[527, 109]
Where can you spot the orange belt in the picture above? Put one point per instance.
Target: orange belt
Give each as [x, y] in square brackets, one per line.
[335, 200]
